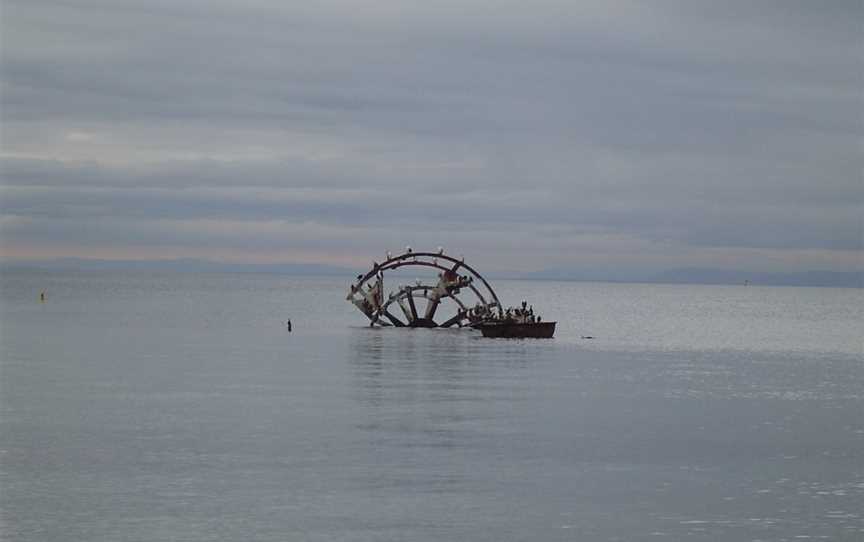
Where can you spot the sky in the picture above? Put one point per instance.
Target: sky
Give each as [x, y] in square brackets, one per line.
[584, 135]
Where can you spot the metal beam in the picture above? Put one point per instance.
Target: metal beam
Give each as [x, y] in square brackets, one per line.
[455, 320]
[396, 322]
[432, 306]
[410, 297]
[478, 294]
[405, 310]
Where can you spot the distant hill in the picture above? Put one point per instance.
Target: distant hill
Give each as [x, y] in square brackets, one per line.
[709, 276]
[185, 265]
[672, 276]
[805, 278]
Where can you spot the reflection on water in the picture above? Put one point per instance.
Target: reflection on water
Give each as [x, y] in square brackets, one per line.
[417, 366]
[421, 387]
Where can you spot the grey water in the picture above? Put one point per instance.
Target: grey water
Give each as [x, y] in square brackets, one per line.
[177, 406]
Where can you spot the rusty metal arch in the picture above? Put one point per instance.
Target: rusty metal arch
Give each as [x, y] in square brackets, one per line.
[366, 293]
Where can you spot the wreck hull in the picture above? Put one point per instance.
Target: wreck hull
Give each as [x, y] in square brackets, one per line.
[537, 330]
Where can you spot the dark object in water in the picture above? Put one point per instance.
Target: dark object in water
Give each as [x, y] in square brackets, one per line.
[455, 282]
[417, 304]
[587, 337]
[516, 330]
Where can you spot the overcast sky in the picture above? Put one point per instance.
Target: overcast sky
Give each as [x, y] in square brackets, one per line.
[525, 135]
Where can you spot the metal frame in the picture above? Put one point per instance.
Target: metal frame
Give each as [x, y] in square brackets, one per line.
[367, 294]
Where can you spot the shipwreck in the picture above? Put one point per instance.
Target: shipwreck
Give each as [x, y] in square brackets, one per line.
[456, 291]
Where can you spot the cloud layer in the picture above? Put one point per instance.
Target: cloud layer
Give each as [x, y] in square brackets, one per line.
[545, 135]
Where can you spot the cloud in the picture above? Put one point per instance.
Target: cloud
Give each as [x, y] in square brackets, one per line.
[342, 126]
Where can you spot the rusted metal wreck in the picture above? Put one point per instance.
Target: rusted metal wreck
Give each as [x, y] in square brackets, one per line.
[470, 299]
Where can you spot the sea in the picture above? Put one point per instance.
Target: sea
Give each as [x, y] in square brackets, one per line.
[172, 406]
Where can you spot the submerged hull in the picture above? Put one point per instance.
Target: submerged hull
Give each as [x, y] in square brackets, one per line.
[537, 330]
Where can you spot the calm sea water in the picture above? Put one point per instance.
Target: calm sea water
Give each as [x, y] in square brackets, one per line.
[137, 406]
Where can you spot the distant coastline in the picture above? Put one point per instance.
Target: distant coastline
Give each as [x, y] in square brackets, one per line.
[815, 278]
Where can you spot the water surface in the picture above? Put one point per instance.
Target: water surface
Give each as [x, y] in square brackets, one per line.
[142, 406]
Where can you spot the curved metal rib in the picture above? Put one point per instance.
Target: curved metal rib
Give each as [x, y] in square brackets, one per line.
[368, 298]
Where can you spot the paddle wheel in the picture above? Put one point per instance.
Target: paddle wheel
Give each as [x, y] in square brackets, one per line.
[455, 294]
